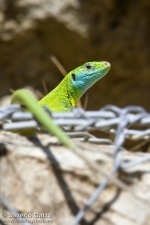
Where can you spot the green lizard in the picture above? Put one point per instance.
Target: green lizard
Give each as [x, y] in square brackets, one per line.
[64, 97]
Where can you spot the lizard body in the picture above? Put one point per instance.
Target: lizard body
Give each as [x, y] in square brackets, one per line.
[66, 95]
[63, 98]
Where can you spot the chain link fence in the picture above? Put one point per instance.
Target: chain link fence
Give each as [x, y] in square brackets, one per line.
[129, 123]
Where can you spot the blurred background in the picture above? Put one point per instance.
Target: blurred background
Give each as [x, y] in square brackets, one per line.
[77, 31]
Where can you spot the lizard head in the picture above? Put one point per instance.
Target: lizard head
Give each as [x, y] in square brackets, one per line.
[83, 77]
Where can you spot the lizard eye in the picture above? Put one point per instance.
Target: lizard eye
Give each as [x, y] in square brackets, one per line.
[88, 67]
[73, 76]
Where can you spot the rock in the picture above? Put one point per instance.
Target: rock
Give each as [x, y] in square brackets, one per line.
[39, 176]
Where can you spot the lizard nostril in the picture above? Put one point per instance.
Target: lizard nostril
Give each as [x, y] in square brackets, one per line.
[107, 64]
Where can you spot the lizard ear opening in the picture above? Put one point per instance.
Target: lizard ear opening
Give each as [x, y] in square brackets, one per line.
[73, 76]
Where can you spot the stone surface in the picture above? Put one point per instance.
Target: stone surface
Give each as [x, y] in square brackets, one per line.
[39, 176]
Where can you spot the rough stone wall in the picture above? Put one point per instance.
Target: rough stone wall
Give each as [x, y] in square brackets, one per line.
[76, 32]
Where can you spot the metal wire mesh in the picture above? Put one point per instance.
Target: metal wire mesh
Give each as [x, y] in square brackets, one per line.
[130, 123]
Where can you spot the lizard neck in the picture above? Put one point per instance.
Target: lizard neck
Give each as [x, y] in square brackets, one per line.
[66, 92]
[76, 93]
[59, 99]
